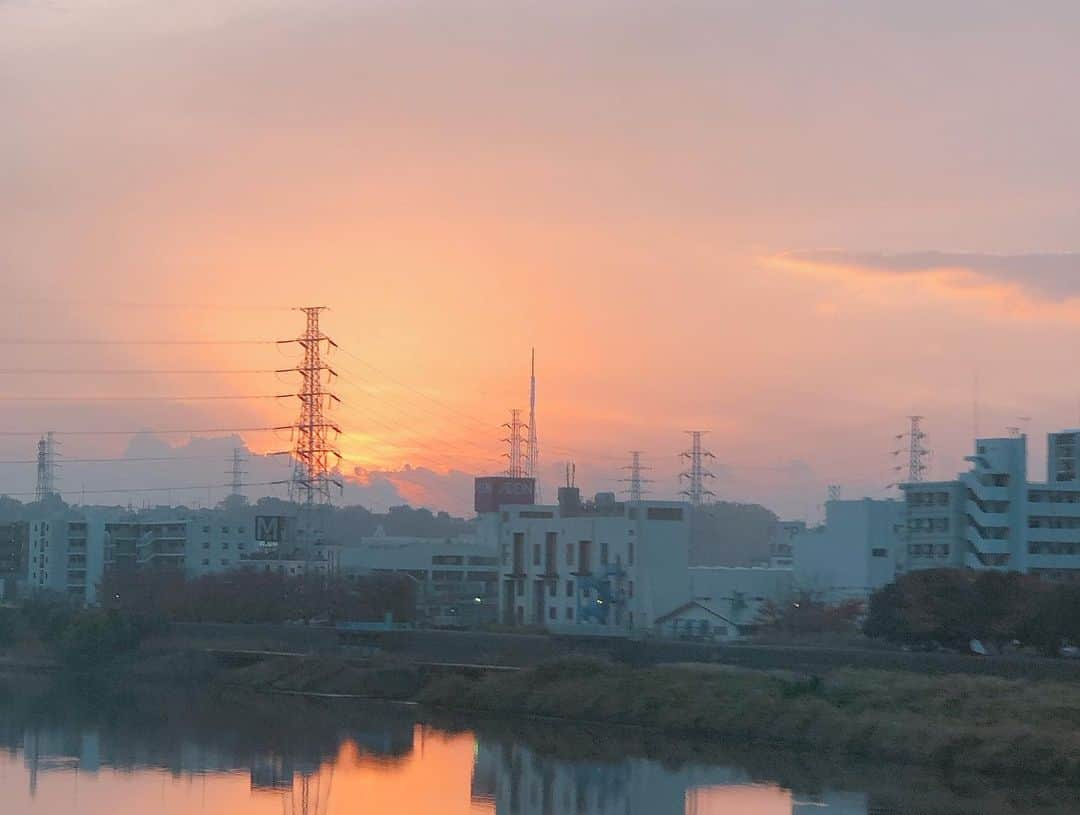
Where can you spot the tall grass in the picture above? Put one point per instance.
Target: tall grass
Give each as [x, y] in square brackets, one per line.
[999, 726]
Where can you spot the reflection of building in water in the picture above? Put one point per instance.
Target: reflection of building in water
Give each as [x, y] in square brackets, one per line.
[271, 773]
[521, 781]
[299, 769]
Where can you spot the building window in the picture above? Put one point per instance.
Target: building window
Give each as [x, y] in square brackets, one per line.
[520, 587]
[206, 561]
[879, 552]
[569, 588]
[603, 554]
[630, 589]
[630, 553]
[552, 612]
[553, 589]
[569, 554]
[664, 514]
[536, 554]
[224, 530]
[569, 614]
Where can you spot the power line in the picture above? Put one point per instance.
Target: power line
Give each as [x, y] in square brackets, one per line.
[133, 459]
[75, 341]
[154, 398]
[149, 431]
[121, 490]
[133, 371]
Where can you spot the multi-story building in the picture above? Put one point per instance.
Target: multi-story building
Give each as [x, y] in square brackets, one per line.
[14, 538]
[456, 578]
[67, 555]
[610, 566]
[853, 553]
[781, 543]
[71, 552]
[992, 517]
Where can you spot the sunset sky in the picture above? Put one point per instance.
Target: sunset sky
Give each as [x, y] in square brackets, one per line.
[789, 223]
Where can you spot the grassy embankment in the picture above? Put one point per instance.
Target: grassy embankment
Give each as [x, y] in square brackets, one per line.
[1004, 727]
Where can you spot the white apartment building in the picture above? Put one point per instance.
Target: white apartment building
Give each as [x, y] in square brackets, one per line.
[992, 517]
[457, 578]
[853, 553]
[603, 566]
[66, 555]
[70, 553]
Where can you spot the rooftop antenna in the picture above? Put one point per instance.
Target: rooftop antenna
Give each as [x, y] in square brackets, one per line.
[533, 461]
[696, 475]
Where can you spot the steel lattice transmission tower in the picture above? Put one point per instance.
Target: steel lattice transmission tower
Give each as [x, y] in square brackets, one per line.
[533, 462]
[46, 467]
[916, 451]
[636, 489]
[516, 453]
[315, 454]
[696, 475]
[237, 473]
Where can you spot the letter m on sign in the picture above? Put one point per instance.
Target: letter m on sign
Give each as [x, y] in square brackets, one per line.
[268, 528]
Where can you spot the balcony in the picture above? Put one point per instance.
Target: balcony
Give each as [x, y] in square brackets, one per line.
[988, 546]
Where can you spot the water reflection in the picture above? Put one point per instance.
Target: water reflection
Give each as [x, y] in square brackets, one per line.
[98, 749]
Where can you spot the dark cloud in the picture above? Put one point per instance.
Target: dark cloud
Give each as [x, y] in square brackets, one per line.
[1052, 276]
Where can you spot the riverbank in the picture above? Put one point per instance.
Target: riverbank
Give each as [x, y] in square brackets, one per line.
[997, 726]
[1004, 727]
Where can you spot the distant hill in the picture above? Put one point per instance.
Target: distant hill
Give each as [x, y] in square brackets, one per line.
[728, 534]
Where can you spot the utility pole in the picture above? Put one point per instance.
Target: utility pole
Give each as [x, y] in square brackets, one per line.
[314, 482]
[696, 474]
[46, 467]
[636, 489]
[516, 453]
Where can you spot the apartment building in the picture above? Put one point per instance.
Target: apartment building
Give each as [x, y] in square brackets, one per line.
[993, 517]
[14, 538]
[602, 565]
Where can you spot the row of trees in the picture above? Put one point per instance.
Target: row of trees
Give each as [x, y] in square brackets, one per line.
[259, 597]
[954, 606]
[137, 604]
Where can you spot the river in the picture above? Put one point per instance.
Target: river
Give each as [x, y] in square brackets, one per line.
[97, 750]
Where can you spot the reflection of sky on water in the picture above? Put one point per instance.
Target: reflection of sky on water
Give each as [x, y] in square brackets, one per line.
[252, 755]
[390, 766]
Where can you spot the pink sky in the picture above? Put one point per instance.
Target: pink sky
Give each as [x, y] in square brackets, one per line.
[789, 226]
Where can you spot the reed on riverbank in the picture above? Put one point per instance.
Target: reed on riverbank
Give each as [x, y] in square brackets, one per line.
[999, 726]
